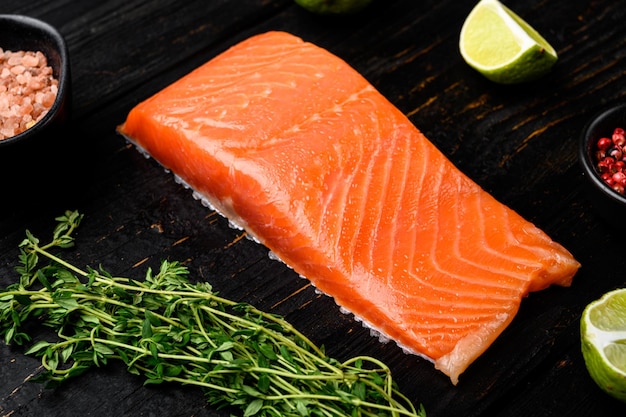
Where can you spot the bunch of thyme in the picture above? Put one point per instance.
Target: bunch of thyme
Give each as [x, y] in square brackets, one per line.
[170, 330]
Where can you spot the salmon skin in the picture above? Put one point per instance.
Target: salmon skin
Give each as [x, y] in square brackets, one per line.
[293, 145]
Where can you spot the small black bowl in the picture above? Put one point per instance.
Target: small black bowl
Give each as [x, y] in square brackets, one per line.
[608, 202]
[23, 33]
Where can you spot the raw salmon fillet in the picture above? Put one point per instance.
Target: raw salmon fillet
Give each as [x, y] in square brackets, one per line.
[292, 144]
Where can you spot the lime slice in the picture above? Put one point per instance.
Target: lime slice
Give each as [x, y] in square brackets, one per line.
[336, 7]
[504, 48]
[603, 342]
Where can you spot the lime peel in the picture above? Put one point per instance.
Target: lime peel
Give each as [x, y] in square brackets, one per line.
[603, 342]
[333, 7]
[502, 46]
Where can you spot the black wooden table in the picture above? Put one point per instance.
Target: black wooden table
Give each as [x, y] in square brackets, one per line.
[518, 142]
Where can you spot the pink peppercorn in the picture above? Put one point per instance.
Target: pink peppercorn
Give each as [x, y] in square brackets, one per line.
[611, 160]
[616, 153]
[605, 164]
[604, 144]
[620, 178]
[607, 177]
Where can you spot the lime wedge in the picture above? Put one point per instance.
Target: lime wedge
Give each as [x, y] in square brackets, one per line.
[603, 342]
[504, 48]
[334, 7]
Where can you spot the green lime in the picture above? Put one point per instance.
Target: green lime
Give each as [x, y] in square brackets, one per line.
[336, 7]
[504, 48]
[603, 342]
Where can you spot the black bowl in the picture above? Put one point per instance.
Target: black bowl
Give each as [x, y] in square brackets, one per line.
[608, 202]
[29, 34]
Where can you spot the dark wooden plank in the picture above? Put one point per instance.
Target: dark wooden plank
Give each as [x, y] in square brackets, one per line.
[518, 142]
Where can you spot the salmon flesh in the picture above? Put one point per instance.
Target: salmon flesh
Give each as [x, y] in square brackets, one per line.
[293, 145]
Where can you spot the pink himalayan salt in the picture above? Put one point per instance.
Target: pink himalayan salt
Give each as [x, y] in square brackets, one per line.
[27, 90]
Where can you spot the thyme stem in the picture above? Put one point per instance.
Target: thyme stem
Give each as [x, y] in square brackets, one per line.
[170, 330]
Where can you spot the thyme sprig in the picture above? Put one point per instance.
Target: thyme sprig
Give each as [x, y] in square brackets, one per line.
[170, 330]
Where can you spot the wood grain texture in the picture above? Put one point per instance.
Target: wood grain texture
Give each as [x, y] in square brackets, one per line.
[518, 142]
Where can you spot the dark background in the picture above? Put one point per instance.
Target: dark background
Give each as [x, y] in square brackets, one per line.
[518, 142]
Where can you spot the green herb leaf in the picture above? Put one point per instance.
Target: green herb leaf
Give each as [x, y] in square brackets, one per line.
[103, 349]
[38, 346]
[268, 351]
[64, 300]
[264, 383]
[146, 329]
[44, 280]
[253, 408]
